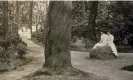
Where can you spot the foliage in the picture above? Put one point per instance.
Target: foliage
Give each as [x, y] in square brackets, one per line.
[39, 36]
[121, 21]
[22, 49]
[113, 15]
[39, 12]
[12, 43]
[9, 46]
[79, 19]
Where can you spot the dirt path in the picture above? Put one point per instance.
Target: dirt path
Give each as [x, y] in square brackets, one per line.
[110, 68]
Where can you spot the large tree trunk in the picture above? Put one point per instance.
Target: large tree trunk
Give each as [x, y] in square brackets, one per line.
[30, 16]
[58, 35]
[5, 18]
[92, 18]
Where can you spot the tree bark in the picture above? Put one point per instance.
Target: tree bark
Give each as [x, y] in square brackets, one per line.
[30, 16]
[37, 24]
[45, 21]
[92, 18]
[58, 35]
[5, 17]
[83, 9]
[17, 16]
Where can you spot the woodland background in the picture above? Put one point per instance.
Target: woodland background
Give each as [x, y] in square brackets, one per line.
[88, 18]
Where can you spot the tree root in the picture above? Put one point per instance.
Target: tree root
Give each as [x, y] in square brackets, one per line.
[69, 72]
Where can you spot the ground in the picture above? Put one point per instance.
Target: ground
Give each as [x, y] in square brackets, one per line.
[110, 68]
[80, 60]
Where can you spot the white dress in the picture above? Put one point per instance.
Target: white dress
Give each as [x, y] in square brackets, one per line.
[112, 45]
[103, 42]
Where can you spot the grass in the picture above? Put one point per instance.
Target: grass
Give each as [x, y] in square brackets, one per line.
[15, 63]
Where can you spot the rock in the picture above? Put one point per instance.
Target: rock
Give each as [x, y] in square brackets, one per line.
[102, 53]
[128, 68]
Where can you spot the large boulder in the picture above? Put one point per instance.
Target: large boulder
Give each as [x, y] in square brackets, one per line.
[104, 52]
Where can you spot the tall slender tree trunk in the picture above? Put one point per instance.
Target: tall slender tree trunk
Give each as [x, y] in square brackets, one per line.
[11, 27]
[92, 18]
[83, 9]
[30, 16]
[17, 17]
[45, 21]
[58, 35]
[37, 24]
[5, 18]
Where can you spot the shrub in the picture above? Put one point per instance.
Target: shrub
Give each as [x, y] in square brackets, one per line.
[13, 43]
[22, 50]
[39, 36]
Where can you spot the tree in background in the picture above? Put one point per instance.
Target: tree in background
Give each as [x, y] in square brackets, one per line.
[88, 18]
[10, 42]
[79, 18]
[17, 16]
[24, 11]
[30, 16]
[5, 18]
[39, 13]
[84, 18]
[92, 19]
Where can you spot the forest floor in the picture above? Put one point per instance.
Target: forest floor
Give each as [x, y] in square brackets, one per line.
[109, 68]
[80, 60]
